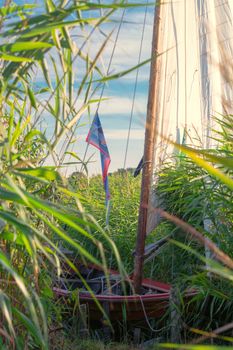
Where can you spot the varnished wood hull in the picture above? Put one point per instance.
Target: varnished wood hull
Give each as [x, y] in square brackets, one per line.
[133, 307]
[130, 307]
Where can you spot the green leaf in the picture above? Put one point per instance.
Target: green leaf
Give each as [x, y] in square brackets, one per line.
[5, 11]
[47, 172]
[123, 73]
[195, 156]
[24, 46]
[15, 58]
[30, 326]
[59, 25]
[32, 98]
[31, 134]
[11, 237]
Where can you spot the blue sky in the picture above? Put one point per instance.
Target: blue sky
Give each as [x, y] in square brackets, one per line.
[115, 113]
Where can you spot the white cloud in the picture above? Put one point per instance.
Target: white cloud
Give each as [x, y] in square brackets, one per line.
[119, 134]
[127, 47]
[123, 105]
[122, 134]
[126, 53]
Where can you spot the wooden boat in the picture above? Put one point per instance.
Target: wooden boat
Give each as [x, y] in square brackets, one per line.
[152, 302]
[106, 293]
[149, 298]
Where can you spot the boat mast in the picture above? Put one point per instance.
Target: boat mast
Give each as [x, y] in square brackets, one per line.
[148, 157]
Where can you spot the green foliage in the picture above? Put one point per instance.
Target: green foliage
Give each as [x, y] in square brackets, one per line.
[190, 192]
[125, 194]
[38, 60]
[39, 210]
[190, 187]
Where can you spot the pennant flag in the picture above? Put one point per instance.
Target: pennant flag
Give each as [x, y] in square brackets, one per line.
[96, 138]
[139, 168]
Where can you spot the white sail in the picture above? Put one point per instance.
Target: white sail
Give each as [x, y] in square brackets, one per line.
[195, 78]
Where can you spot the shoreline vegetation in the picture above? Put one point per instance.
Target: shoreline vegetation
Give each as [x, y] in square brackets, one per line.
[42, 213]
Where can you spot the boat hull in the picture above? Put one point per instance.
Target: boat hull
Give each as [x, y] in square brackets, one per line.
[133, 307]
[153, 304]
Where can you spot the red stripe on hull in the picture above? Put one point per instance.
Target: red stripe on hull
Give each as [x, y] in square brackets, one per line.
[134, 307]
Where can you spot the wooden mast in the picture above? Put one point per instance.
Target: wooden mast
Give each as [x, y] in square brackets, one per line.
[148, 157]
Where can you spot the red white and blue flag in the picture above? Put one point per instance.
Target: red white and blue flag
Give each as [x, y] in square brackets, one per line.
[96, 138]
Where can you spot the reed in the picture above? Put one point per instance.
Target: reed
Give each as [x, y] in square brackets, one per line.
[41, 104]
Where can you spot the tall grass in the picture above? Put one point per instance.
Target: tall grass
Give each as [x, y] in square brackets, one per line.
[40, 210]
[40, 84]
[195, 191]
[125, 193]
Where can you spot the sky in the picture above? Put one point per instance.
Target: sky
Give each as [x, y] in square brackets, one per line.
[126, 101]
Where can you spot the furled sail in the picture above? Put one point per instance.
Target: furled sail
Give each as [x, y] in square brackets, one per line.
[195, 75]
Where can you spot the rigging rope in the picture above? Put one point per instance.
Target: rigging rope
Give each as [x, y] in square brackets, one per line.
[108, 70]
[101, 95]
[135, 86]
[147, 319]
[38, 116]
[68, 139]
